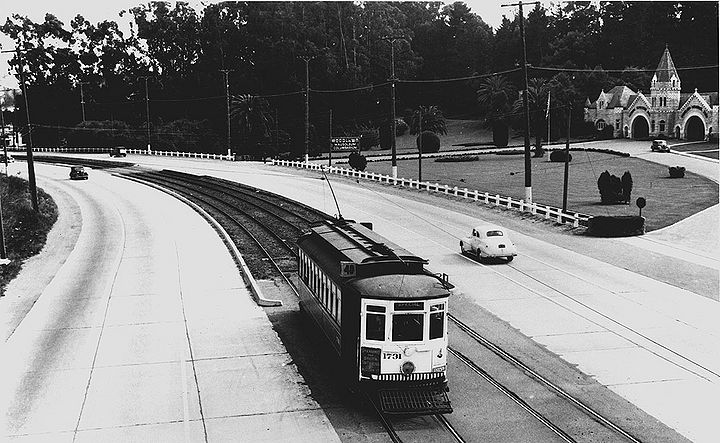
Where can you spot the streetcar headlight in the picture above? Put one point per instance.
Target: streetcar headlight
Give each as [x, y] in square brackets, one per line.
[408, 367]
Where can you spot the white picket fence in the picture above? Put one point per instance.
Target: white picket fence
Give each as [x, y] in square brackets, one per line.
[549, 212]
[105, 150]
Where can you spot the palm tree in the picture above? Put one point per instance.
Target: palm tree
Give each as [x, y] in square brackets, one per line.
[253, 116]
[433, 120]
[495, 96]
[538, 90]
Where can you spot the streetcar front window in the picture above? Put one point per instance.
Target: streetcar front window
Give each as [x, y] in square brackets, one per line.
[407, 327]
[437, 321]
[374, 326]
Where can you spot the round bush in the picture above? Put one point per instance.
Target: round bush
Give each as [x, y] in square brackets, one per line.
[676, 171]
[559, 156]
[357, 161]
[430, 142]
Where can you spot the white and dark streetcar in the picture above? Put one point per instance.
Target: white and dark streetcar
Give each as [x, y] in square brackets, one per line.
[382, 311]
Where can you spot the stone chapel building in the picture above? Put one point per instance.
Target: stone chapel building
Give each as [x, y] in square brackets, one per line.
[665, 112]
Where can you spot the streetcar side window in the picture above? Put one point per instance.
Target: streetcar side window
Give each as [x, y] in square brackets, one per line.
[375, 324]
[407, 327]
[437, 321]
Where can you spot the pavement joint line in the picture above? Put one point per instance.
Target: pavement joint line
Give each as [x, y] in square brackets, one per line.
[258, 414]
[229, 357]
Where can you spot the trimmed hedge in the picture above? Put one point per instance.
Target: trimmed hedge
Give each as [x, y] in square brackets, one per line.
[559, 156]
[616, 226]
[676, 171]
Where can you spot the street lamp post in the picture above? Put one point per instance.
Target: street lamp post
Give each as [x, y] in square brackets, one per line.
[82, 100]
[393, 134]
[147, 111]
[307, 106]
[227, 103]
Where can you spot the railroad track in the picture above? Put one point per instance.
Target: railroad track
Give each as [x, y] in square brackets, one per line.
[264, 227]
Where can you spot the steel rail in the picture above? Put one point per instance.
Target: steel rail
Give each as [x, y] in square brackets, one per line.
[497, 350]
[446, 424]
[513, 396]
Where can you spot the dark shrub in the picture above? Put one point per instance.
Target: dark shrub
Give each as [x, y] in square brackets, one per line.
[369, 138]
[430, 142]
[677, 171]
[400, 127]
[458, 158]
[611, 189]
[357, 161]
[627, 185]
[559, 156]
[616, 226]
[500, 134]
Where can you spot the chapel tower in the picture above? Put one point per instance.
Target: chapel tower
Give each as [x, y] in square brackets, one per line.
[665, 85]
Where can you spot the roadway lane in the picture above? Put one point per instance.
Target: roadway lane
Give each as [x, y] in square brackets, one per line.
[145, 331]
[644, 339]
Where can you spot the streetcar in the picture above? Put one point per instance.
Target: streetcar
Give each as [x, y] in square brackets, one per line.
[382, 310]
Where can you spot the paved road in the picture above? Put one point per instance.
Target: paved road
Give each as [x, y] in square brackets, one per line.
[126, 328]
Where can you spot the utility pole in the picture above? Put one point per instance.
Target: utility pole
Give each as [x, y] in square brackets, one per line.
[526, 108]
[227, 101]
[31, 164]
[331, 144]
[147, 110]
[307, 106]
[567, 159]
[82, 100]
[420, 149]
[393, 134]
[2, 123]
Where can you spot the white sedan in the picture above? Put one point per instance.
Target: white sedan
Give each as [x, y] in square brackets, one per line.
[488, 241]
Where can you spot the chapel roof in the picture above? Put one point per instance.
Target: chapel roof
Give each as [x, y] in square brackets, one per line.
[666, 67]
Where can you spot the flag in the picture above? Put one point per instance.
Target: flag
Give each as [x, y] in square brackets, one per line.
[547, 111]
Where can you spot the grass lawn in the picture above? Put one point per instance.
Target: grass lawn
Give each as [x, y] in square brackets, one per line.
[25, 230]
[668, 200]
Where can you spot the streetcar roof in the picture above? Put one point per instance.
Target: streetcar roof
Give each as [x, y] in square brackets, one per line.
[357, 243]
[404, 286]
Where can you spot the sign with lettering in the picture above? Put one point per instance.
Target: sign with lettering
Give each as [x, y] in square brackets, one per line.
[347, 269]
[345, 143]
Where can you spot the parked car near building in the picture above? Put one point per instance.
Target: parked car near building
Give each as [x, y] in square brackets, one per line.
[119, 151]
[78, 173]
[488, 241]
[659, 146]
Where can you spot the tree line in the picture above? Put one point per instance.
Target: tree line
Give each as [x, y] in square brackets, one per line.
[444, 57]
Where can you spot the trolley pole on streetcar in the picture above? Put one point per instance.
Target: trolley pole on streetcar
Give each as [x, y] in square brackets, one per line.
[31, 164]
[227, 102]
[526, 108]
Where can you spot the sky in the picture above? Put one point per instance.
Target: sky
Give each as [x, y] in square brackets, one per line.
[95, 11]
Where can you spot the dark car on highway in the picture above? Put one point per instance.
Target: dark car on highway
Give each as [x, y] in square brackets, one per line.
[78, 173]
